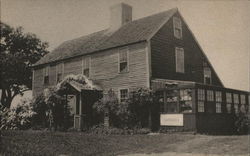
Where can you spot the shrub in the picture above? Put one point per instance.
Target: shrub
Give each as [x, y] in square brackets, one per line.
[117, 113]
[242, 123]
[18, 117]
[101, 130]
[52, 111]
[134, 112]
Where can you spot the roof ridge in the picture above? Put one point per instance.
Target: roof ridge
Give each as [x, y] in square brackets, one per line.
[162, 12]
[137, 30]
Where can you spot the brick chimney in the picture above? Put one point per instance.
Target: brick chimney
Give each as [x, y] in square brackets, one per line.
[120, 14]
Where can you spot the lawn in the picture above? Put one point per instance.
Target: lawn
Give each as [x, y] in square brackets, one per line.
[78, 143]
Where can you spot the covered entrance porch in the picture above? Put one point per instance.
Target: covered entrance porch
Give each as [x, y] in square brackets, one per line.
[80, 97]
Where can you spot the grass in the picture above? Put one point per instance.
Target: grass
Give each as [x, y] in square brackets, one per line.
[77, 143]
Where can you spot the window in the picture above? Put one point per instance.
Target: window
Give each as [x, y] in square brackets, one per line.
[218, 99]
[46, 75]
[229, 107]
[185, 100]
[172, 102]
[123, 60]
[243, 99]
[86, 66]
[123, 95]
[218, 107]
[179, 58]
[207, 75]
[229, 102]
[201, 99]
[177, 27]
[243, 103]
[210, 95]
[236, 103]
[201, 94]
[59, 70]
[201, 106]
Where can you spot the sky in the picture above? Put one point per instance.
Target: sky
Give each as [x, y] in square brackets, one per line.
[221, 27]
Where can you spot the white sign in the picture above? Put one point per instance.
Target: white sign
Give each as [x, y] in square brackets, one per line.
[171, 119]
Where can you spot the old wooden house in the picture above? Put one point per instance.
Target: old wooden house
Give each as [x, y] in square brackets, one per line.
[158, 52]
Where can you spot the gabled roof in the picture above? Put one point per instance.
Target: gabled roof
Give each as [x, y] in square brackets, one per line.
[132, 32]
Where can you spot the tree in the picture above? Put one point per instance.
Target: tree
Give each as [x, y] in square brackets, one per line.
[18, 52]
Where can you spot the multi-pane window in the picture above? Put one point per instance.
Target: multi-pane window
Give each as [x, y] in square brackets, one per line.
[201, 94]
[218, 107]
[243, 99]
[236, 103]
[201, 99]
[185, 100]
[59, 71]
[123, 60]
[177, 27]
[207, 75]
[179, 59]
[243, 103]
[229, 102]
[46, 75]
[218, 99]
[86, 66]
[201, 106]
[210, 95]
[123, 95]
[218, 96]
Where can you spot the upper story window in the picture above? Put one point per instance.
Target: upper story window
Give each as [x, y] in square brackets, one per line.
[210, 95]
[179, 59]
[123, 95]
[86, 66]
[177, 27]
[123, 60]
[46, 75]
[207, 75]
[59, 71]
[229, 102]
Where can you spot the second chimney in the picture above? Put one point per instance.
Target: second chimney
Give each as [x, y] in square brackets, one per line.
[120, 14]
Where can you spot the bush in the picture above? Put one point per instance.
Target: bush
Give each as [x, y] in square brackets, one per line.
[18, 117]
[101, 130]
[134, 112]
[242, 123]
[52, 111]
[117, 113]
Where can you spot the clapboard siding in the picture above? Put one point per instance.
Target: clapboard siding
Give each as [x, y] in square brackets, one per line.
[73, 66]
[104, 70]
[163, 45]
